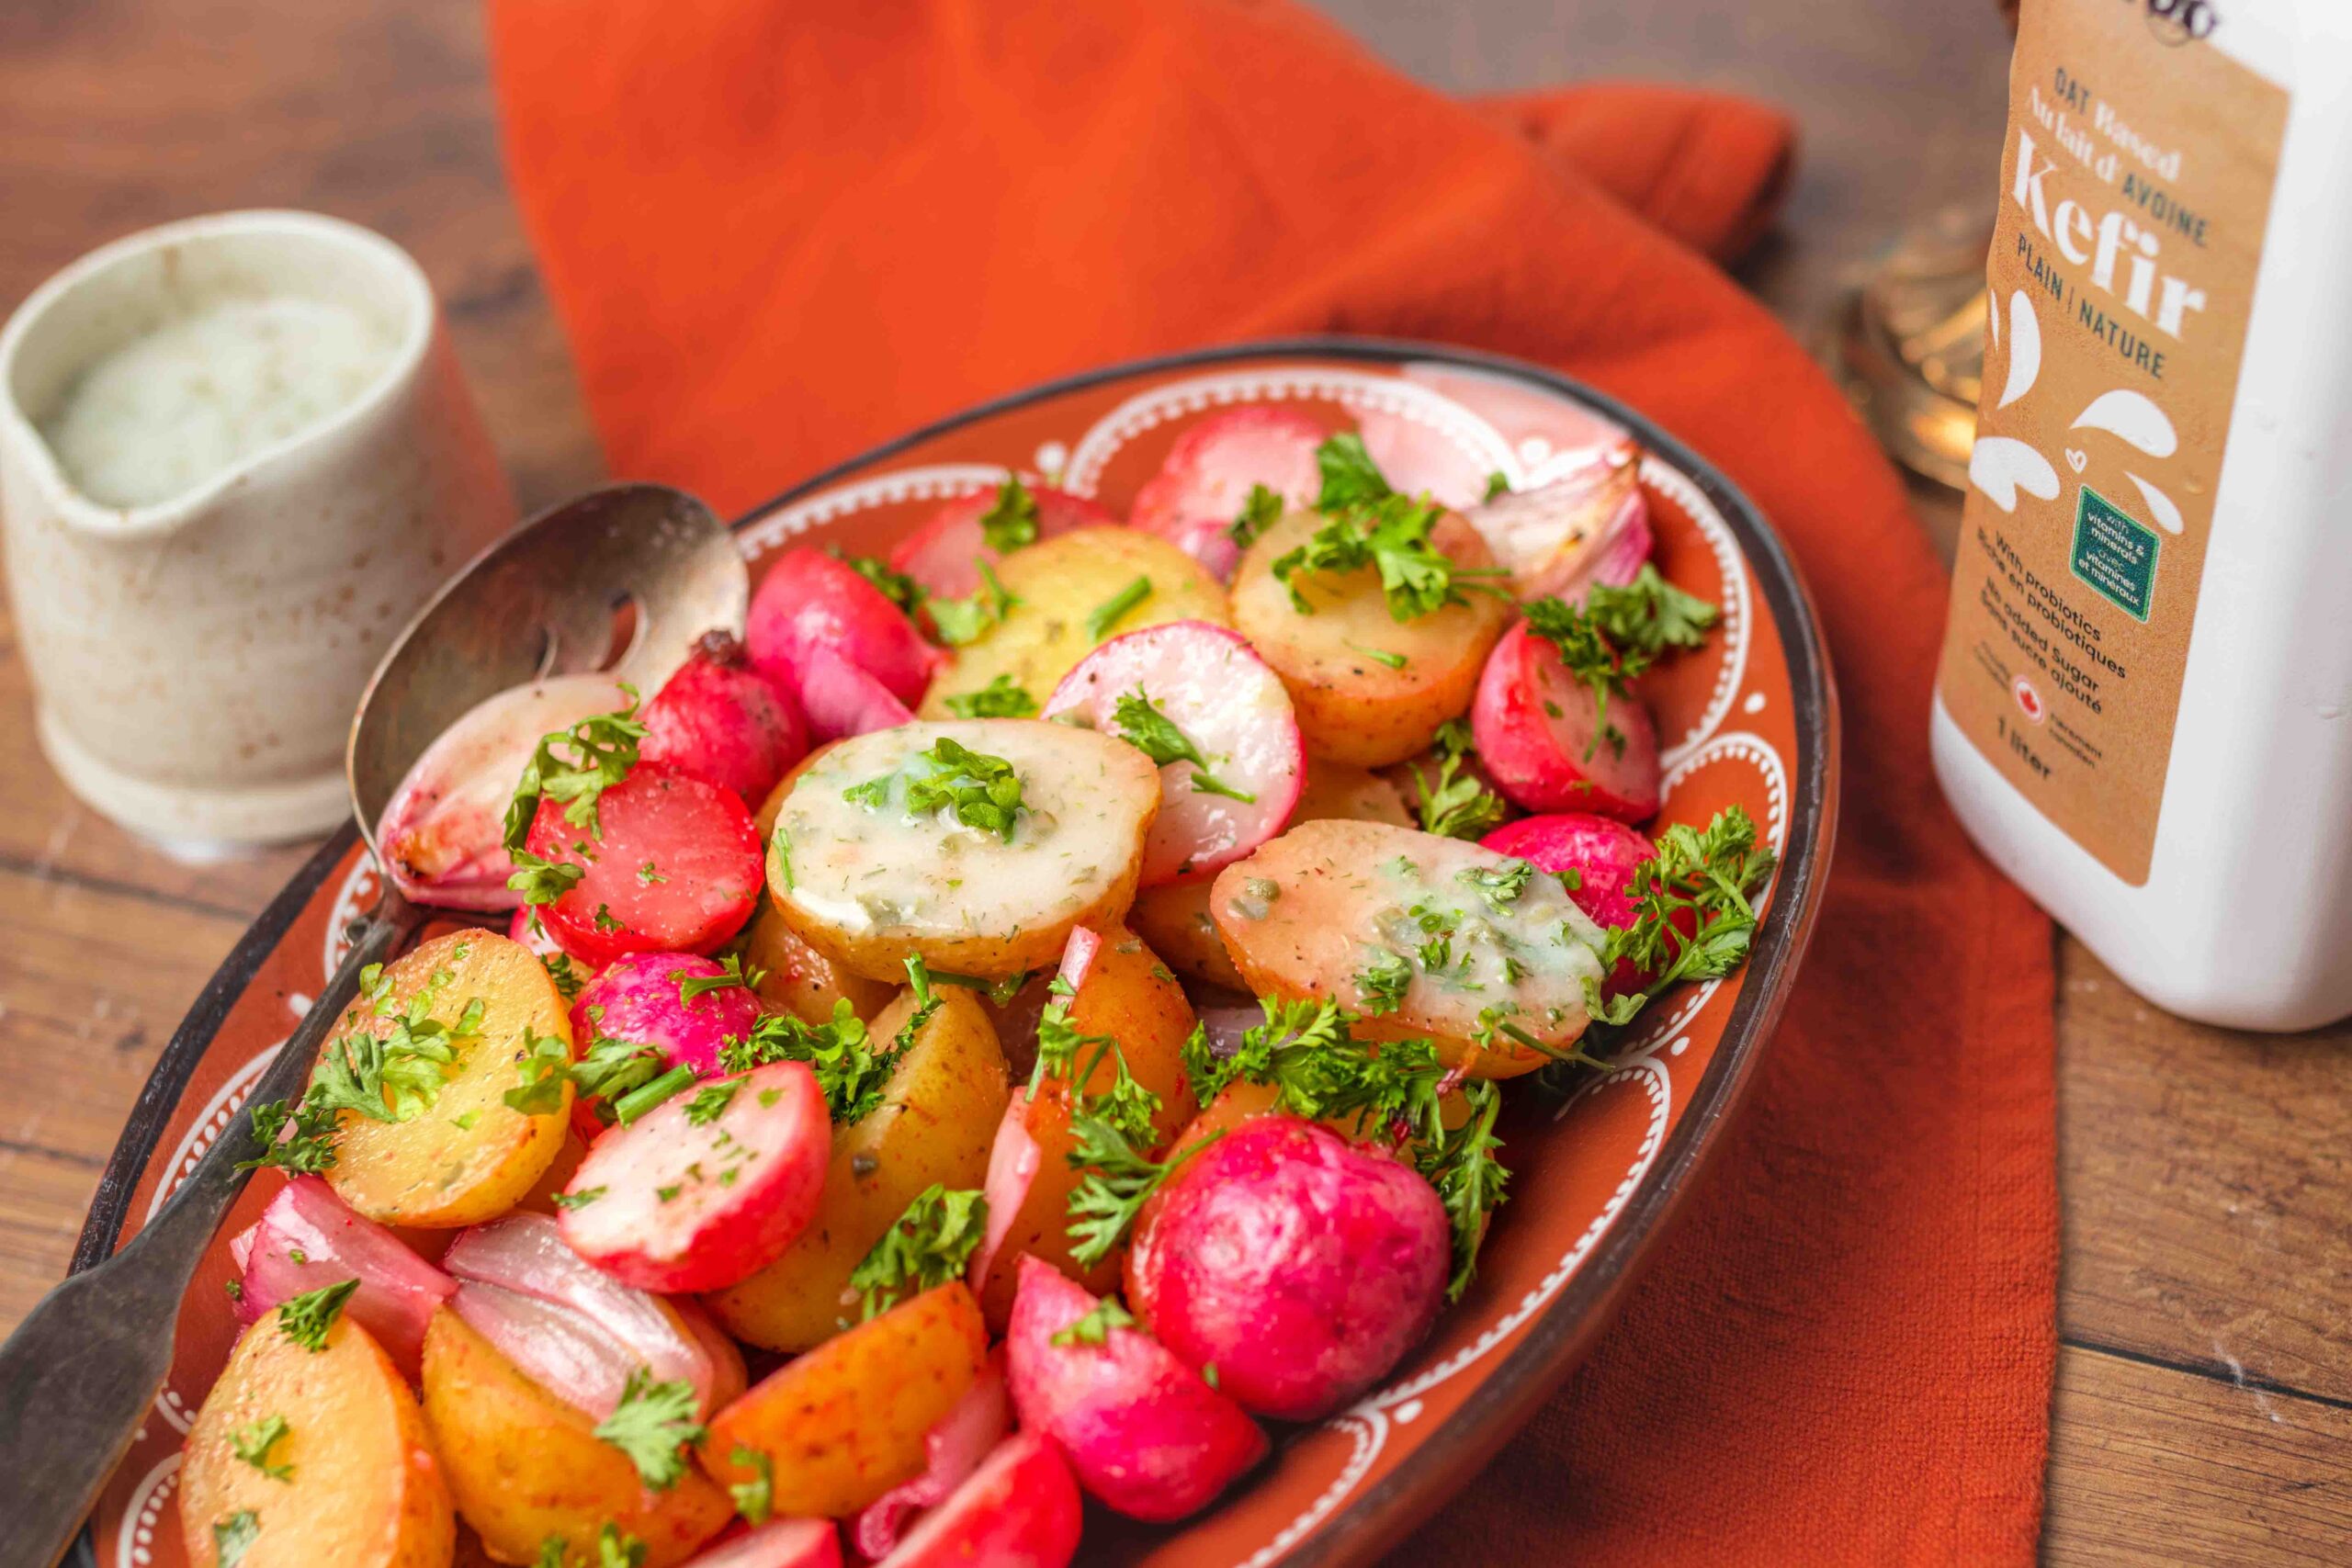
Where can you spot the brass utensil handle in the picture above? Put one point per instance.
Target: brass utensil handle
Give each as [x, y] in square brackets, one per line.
[83, 1369]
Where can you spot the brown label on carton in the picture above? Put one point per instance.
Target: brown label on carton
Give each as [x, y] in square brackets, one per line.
[2134, 190]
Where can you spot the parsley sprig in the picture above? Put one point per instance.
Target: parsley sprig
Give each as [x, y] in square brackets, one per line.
[1469, 1180]
[895, 586]
[1618, 634]
[1260, 511]
[732, 975]
[1701, 877]
[1144, 725]
[1119, 1177]
[394, 1076]
[755, 1498]
[1650, 614]
[306, 1319]
[1371, 525]
[575, 766]
[978, 790]
[652, 1424]
[853, 1069]
[1011, 522]
[1455, 803]
[926, 1247]
[544, 1065]
[1094, 1328]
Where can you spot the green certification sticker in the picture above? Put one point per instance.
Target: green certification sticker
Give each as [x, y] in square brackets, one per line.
[2116, 554]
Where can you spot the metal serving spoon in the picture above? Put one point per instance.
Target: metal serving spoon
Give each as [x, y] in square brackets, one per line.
[83, 1369]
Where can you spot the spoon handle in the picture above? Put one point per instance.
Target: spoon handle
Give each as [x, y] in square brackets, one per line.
[83, 1369]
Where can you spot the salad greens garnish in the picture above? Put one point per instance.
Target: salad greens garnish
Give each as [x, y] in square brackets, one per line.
[575, 766]
[926, 1247]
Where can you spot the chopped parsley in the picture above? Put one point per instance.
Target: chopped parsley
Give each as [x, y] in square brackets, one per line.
[652, 1424]
[252, 1444]
[731, 976]
[1650, 614]
[1095, 1327]
[1118, 1179]
[1146, 726]
[852, 1072]
[1704, 876]
[1383, 982]
[712, 1103]
[1499, 885]
[235, 1535]
[615, 1548]
[1461, 1165]
[1260, 511]
[1497, 484]
[1000, 698]
[396, 1077]
[1455, 803]
[567, 977]
[755, 1498]
[575, 767]
[926, 1247]
[545, 1066]
[895, 586]
[1011, 521]
[1379, 656]
[1112, 611]
[962, 621]
[578, 1199]
[1373, 526]
[613, 1069]
[306, 1319]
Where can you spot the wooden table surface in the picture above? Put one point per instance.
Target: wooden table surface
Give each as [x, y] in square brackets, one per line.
[2203, 1410]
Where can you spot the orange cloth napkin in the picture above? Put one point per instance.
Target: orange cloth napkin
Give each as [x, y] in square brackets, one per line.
[780, 233]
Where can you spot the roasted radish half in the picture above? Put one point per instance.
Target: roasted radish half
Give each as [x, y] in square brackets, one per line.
[1202, 489]
[1549, 744]
[671, 866]
[1194, 699]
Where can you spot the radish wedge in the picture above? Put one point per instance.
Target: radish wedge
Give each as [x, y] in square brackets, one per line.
[573, 1360]
[675, 867]
[1144, 1432]
[781, 1544]
[1234, 711]
[718, 721]
[843, 700]
[943, 555]
[442, 831]
[707, 1188]
[955, 1447]
[308, 1237]
[1542, 735]
[1020, 1509]
[526, 1254]
[809, 600]
[1202, 488]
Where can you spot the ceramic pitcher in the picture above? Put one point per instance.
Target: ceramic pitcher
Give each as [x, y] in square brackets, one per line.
[195, 662]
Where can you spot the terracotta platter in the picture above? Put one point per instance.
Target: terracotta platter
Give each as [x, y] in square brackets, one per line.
[1597, 1176]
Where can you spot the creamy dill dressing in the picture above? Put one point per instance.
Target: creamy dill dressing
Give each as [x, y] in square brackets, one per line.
[207, 391]
[870, 865]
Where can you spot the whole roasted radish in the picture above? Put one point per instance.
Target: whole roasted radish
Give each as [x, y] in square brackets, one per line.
[1300, 1265]
[721, 721]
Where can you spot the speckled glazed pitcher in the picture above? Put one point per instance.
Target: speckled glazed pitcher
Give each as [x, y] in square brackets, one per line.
[195, 662]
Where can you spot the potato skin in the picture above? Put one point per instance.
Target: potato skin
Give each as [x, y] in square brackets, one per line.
[936, 1121]
[845, 1423]
[1060, 582]
[432, 1173]
[799, 979]
[1352, 708]
[1130, 996]
[525, 1465]
[366, 1492]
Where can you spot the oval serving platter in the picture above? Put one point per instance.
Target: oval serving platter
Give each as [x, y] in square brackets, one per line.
[1750, 718]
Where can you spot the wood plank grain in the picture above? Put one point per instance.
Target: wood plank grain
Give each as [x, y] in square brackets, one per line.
[2206, 1179]
[92, 984]
[2151, 1465]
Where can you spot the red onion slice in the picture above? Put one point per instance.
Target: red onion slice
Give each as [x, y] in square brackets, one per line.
[525, 1254]
[556, 1348]
[955, 1448]
[308, 1238]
